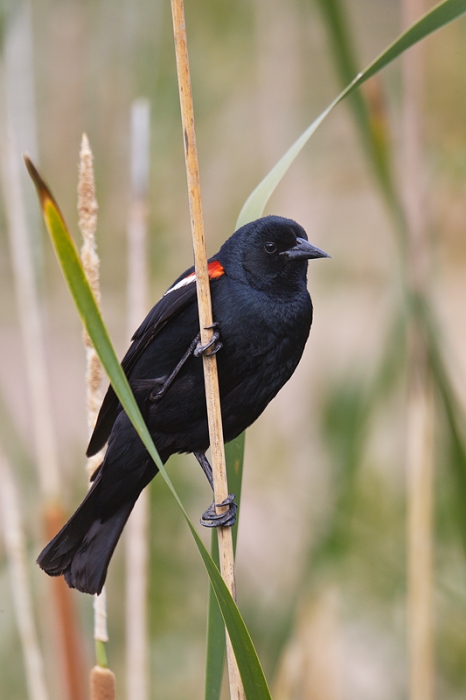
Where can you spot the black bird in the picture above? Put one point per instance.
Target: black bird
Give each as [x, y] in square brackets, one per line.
[263, 315]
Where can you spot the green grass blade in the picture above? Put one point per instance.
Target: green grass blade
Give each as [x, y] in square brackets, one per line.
[371, 127]
[253, 678]
[441, 15]
[454, 423]
[234, 455]
[216, 650]
[215, 657]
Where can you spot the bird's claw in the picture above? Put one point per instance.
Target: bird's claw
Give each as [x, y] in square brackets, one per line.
[227, 519]
[215, 343]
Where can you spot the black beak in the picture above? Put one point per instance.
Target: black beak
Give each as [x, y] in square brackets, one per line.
[303, 250]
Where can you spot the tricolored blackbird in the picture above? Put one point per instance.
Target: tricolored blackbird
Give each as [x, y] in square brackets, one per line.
[263, 314]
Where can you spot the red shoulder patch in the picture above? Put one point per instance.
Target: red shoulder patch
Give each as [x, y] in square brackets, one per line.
[215, 269]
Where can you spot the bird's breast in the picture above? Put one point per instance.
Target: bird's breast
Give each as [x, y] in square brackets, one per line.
[263, 340]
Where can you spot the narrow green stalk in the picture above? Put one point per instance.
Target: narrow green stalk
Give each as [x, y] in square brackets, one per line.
[101, 653]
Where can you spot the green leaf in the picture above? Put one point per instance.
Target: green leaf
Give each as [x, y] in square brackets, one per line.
[370, 121]
[215, 657]
[216, 639]
[255, 685]
[455, 423]
[442, 14]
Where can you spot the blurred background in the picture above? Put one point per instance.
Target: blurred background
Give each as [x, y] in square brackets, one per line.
[322, 553]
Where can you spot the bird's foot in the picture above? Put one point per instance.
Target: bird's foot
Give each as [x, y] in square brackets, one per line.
[215, 343]
[227, 519]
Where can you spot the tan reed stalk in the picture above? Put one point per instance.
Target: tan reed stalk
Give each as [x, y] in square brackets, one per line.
[137, 637]
[310, 667]
[420, 413]
[420, 426]
[67, 644]
[20, 586]
[205, 318]
[102, 680]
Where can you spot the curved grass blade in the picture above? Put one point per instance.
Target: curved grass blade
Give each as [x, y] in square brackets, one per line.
[369, 119]
[215, 657]
[454, 424]
[441, 15]
[253, 678]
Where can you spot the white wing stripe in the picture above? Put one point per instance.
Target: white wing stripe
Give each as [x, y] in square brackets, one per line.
[182, 283]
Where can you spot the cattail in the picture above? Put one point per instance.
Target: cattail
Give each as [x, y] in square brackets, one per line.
[102, 679]
[87, 210]
[102, 684]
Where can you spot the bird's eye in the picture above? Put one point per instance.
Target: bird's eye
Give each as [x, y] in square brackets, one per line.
[270, 247]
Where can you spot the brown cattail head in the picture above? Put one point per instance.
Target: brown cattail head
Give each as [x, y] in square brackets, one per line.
[102, 684]
[87, 209]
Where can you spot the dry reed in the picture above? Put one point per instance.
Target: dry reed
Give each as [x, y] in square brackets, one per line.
[102, 680]
[420, 419]
[205, 319]
[310, 666]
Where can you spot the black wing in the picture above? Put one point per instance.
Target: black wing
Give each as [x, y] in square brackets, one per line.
[176, 299]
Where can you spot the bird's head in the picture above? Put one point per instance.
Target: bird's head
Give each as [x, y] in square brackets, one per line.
[270, 254]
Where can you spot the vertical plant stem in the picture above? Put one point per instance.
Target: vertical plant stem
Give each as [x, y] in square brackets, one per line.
[137, 642]
[310, 666]
[102, 680]
[17, 565]
[205, 318]
[20, 95]
[420, 420]
[420, 426]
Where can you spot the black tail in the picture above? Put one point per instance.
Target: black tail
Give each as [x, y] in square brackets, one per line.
[82, 550]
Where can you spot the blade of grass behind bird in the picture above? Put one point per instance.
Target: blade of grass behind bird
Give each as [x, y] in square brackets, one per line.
[454, 424]
[215, 656]
[369, 121]
[253, 678]
[438, 17]
[347, 415]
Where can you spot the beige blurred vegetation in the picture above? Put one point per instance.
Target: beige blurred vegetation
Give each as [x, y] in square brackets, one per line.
[261, 70]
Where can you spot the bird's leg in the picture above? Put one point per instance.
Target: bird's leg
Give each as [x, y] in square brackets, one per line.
[195, 348]
[215, 343]
[168, 382]
[210, 518]
[205, 466]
